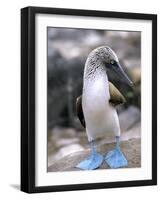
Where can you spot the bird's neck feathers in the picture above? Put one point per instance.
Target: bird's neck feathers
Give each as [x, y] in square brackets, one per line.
[94, 69]
[95, 80]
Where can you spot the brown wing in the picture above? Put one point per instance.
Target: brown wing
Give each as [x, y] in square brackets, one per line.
[79, 110]
[116, 97]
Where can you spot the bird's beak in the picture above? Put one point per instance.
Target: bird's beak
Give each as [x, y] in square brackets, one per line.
[121, 74]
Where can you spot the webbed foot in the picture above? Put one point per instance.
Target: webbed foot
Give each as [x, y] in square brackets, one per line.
[92, 162]
[115, 158]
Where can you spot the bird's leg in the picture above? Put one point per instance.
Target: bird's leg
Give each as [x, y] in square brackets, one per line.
[93, 161]
[116, 158]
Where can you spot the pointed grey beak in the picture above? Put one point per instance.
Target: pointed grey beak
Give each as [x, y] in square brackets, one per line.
[120, 72]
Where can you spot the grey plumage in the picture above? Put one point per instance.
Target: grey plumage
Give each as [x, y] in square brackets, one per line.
[97, 58]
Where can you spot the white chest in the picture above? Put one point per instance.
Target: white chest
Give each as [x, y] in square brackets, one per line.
[96, 95]
[101, 118]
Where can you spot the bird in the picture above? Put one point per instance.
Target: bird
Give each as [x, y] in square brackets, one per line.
[96, 107]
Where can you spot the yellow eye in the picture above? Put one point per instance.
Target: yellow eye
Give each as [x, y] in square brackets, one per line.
[112, 62]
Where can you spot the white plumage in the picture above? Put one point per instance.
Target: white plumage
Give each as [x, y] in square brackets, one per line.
[100, 116]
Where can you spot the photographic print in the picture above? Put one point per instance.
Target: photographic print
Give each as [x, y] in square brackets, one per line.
[94, 91]
[88, 99]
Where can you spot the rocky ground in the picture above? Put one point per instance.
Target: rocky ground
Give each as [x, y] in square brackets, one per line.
[131, 149]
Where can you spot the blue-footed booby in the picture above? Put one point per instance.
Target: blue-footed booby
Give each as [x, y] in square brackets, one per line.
[96, 106]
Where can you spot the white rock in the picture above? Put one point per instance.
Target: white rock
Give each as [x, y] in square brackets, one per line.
[65, 142]
[64, 151]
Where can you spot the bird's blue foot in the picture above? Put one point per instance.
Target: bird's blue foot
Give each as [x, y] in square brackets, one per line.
[92, 162]
[115, 158]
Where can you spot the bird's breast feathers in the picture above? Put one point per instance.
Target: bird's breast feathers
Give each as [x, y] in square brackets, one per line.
[96, 96]
[100, 115]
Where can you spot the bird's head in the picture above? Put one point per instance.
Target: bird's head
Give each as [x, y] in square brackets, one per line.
[111, 62]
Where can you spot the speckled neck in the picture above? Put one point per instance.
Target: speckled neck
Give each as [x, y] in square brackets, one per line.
[94, 69]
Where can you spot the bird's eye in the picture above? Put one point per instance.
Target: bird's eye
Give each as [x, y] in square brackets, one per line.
[112, 62]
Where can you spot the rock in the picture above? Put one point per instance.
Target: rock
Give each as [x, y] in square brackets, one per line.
[131, 149]
[65, 142]
[64, 151]
[133, 132]
[135, 74]
[129, 117]
[60, 132]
